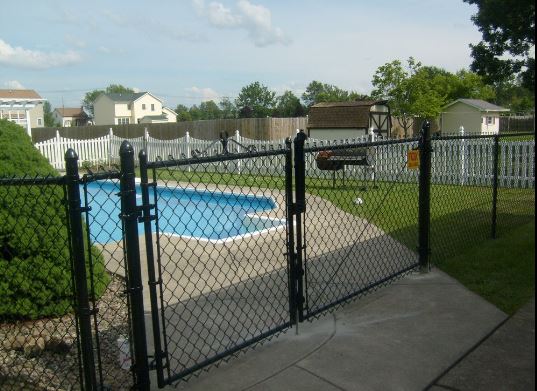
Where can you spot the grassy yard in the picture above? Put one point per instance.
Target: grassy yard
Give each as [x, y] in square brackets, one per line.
[502, 270]
[461, 223]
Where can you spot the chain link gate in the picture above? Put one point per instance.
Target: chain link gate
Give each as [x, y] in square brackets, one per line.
[341, 251]
[216, 233]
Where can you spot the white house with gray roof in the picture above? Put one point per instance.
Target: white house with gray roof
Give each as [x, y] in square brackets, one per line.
[131, 108]
[475, 115]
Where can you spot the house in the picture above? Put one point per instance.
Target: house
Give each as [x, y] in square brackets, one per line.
[345, 120]
[71, 116]
[475, 115]
[130, 108]
[24, 107]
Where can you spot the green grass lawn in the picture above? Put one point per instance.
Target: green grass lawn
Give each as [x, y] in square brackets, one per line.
[461, 222]
[502, 270]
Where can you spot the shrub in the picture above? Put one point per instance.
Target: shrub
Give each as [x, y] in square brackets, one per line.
[35, 265]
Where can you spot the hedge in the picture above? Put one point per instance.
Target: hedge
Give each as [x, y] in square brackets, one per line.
[35, 266]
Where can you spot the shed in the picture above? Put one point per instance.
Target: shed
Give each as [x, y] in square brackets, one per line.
[475, 115]
[344, 120]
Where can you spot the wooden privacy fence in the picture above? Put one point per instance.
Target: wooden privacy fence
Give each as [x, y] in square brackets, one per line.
[255, 128]
[463, 162]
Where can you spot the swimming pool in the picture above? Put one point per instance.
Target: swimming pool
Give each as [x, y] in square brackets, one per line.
[186, 212]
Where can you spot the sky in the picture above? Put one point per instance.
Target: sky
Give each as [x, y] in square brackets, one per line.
[188, 51]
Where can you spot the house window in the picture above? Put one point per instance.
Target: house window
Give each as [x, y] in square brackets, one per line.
[40, 122]
[143, 106]
[490, 120]
[152, 107]
[123, 121]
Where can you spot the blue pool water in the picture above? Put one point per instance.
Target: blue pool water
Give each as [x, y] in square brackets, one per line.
[184, 212]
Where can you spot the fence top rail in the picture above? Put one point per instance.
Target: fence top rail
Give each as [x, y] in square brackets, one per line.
[214, 158]
[483, 136]
[100, 176]
[360, 144]
[32, 181]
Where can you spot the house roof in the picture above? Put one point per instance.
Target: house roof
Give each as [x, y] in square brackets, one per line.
[19, 94]
[125, 97]
[71, 112]
[161, 117]
[354, 114]
[478, 104]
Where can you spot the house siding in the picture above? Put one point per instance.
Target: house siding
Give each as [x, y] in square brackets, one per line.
[103, 109]
[148, 100]
[461, 114]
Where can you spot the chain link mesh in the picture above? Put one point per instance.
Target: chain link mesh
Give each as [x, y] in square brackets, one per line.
[360, 225]
[111, 317]
[222, 257]
[462, 191]
[38, 331]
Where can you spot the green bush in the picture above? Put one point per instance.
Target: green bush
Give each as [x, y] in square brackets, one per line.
[35, 266]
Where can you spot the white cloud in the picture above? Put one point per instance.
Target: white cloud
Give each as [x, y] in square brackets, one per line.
[35, 59]
[256, 20]
[14, 85]
[204, 94]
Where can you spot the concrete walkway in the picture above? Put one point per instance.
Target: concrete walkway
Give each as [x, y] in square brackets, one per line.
[402, 337]
[503, 361]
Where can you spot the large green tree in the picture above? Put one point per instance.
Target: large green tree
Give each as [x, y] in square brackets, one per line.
[407, 89]
[227, 108]
[255, 100]
[317, 92]
[210, 110]
[90, 96]
[508, 30]
[182, 113]
[288, 105]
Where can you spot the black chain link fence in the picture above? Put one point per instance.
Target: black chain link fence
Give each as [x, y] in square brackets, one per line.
[38, 330]
[466, 173]
[233, 249]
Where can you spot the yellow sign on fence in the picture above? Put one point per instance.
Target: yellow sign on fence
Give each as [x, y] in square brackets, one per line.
[413, 159]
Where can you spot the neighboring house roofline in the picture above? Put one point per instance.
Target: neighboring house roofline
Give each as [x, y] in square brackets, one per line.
[167, 108]
[478, 104]
[129, 97]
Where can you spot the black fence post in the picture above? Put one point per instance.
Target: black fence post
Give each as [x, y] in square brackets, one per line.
[495, 157]
[424, 222]
[78, 255]
[129, 215]
[300, 208]
[152, 280]
[291, 251]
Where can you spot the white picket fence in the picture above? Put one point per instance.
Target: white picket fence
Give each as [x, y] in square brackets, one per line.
[465, 162]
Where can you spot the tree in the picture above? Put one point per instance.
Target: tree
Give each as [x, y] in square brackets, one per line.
[508, 30]
[288, 105]
[182, 113]
[48, 118]
[462, 84]
[210, 110]
[227, 109]
[91, 96]
[195, 113]
[321, 92]
[258, 98]
[518, 99]
[408, 92]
